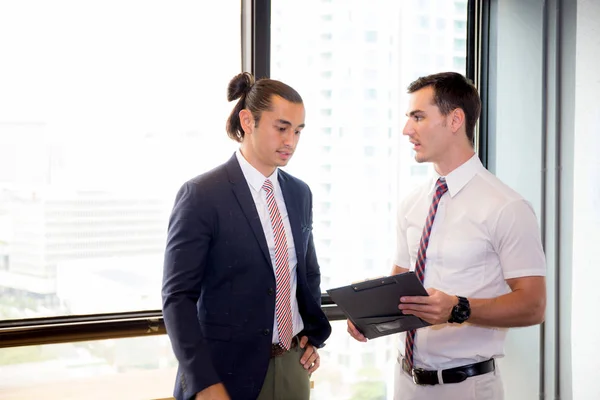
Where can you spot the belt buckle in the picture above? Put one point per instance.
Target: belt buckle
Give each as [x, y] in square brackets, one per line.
[414, 372]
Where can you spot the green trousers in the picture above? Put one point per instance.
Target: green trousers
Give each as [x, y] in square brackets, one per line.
[286, 378]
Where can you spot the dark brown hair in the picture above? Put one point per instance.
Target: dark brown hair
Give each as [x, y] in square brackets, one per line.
[255, 97]
[452, 91]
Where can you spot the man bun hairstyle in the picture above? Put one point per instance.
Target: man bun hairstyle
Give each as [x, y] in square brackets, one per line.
[238, 88]
[255, 96]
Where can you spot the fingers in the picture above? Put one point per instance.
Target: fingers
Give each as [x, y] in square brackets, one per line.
[416, 299]
[435, 308]
[410, 307]
[316, 364]
[355, 333]
[308, 353]
[432, 314]
[310, 359]
[303, 341]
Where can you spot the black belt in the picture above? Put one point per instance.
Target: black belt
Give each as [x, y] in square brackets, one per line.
[451, 375]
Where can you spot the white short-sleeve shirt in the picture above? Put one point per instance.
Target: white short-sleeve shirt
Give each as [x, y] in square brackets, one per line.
[483, 233]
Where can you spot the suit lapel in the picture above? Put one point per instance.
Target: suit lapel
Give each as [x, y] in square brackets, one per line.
[244, 197]
[293, 208]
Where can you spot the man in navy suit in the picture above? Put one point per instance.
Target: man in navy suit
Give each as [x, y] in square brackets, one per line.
[241, 286]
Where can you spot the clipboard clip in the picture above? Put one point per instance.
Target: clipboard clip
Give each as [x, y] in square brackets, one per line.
[388, 280]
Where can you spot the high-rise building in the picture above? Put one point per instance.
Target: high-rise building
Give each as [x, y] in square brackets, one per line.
[52, 226]
[352, 61]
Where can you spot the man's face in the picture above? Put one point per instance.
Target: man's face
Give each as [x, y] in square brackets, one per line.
[273, 141]
[427, 129]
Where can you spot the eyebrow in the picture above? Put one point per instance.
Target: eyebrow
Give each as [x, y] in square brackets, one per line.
[410, 114]
[284, 122]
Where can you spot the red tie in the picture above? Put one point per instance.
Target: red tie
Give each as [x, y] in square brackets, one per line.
[440, 189]
[283, 309]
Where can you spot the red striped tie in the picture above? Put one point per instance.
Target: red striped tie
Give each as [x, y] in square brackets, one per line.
[283, 309]
[440, 189]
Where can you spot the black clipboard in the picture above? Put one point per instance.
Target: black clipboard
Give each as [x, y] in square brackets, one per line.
[372, 305]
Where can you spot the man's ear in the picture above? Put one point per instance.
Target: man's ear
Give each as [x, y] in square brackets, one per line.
[457, 119]
[246, 121]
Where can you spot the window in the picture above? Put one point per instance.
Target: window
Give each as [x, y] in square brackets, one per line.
[368, 359]
[370, 101]
[371, 94]
[441, 24]
[370, 113]
[107, 123]
[370, 74]
[326, 188]
[419, 170]
[459, 63]
[459, 7]
[4, 262]
[325, 243]
[460, 26]
[370, 133]
[137, 368]
[460, 45]
[369, 151]
[371, 36]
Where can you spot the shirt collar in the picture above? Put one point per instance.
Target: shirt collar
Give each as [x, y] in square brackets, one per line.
[458, 179]
[254, 178]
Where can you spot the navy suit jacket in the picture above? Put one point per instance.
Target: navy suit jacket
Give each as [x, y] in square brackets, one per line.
[219, 285]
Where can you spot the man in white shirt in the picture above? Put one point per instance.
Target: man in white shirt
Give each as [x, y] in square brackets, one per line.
[475, 242]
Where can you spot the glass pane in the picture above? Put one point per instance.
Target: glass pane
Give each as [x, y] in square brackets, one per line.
[352, 68]
[127, 369]
[355, 371]
[352, 61]
[106, 108]
[519, 166]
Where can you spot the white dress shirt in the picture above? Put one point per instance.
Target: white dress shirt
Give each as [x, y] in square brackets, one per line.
[255, 182]
[483, 233]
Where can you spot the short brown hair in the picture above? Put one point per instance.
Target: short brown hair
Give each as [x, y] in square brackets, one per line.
[256, 97]
[451, 91]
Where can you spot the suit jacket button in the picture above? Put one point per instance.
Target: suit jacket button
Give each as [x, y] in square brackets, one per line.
[266, 332]
[270, 291]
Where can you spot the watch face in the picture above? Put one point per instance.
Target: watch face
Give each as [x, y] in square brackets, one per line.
[461, 311]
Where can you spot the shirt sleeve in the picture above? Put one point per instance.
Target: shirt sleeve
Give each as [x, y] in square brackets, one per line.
[518, 242]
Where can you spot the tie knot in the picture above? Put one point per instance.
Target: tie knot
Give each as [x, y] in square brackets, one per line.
[268, 186]
[441, 187]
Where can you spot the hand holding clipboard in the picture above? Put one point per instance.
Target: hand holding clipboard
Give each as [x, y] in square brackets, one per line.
[372, 306]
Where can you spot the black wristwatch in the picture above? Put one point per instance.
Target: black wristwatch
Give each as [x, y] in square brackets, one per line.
[461, 312]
